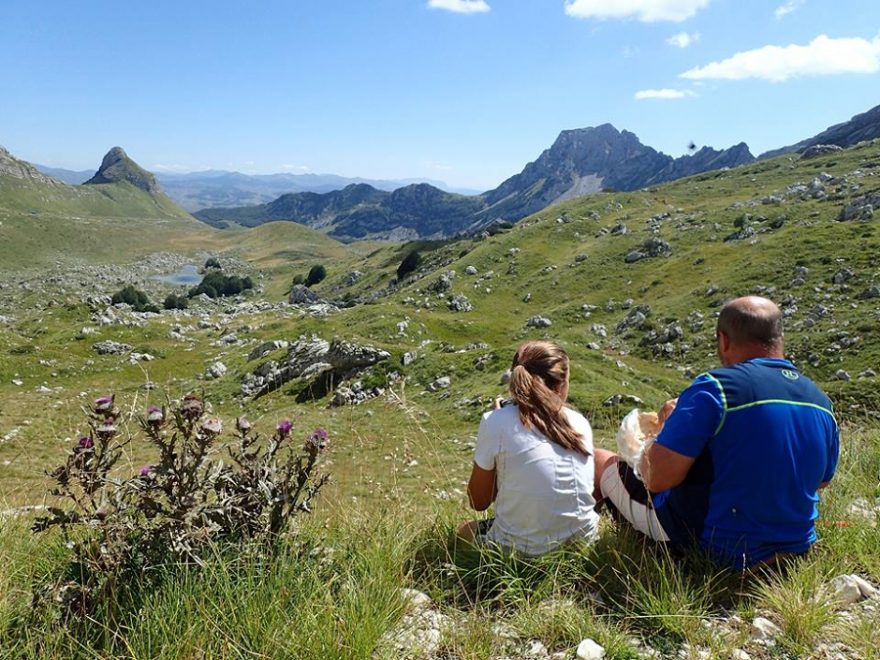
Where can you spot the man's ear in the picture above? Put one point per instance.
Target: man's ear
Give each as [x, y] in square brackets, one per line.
[723, 342]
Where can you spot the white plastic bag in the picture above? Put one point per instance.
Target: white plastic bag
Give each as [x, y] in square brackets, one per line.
[636, 433]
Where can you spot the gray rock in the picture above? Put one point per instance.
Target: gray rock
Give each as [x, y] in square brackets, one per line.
[408, 358]
[216, 370]
[820, 150]
[634, 319]
[441, 383]
[265, 348]
[505, 377]
[589, 650]
[303, 295]
[599, 330]
[619, 399]
[460, 303]
[652, 248]
[765, 631]
[353, 277]
[849, 589]
[443, 283]
[868, 373]
[470, 270]
[539, 322]
[870, 293]
[842, 276]
[111, 348]
[840, 374]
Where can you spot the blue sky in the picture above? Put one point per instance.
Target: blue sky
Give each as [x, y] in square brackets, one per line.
[465, 91]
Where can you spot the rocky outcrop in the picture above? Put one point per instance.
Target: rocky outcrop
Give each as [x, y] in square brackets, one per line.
[118, 167]
[20, 169]
[310, 357]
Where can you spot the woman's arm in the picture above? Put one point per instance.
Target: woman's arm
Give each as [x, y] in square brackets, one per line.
[482, 488]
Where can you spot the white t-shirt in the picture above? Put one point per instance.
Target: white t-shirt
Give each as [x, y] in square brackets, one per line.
[545, 492]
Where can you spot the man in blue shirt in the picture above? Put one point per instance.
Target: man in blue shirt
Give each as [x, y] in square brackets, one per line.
[743, 452]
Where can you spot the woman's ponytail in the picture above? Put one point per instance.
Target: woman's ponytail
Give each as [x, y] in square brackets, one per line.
[538, 382]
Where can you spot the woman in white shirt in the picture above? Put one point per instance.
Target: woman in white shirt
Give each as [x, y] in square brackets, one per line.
[535, 460]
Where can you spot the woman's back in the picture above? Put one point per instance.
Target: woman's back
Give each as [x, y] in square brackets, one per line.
[545, 491]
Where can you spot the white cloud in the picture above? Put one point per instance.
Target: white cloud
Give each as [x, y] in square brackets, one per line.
[683, 39]
[823, 56]
[664, 94]
[647, 11]
[791, 6]
[295, 168]
[461, 6]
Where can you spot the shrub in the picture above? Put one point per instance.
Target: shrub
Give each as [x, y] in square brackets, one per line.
[134, 297]
[176, 511]
[316, 275]
[213, 262]
[173, 301]
[216, 284]
[409, 264]
[298, 279]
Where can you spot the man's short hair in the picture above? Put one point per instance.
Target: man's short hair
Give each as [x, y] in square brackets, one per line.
[747, 323]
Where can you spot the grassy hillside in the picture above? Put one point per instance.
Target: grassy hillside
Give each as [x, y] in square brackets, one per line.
[409, 451]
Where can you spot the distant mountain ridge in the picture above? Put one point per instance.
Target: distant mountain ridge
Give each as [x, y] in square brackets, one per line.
[864, 126]
[580, 162]
[221, 188]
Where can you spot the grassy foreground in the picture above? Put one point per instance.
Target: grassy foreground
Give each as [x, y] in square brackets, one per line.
[334, 591]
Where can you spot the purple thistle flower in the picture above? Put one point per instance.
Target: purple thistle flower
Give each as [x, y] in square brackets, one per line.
[146, 471]
[104, 403]
[155, 415]
[284, 427]
[108, 427]
[319, 438]
[86, 442]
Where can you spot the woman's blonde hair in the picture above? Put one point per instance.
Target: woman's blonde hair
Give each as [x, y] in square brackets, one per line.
[537, 383]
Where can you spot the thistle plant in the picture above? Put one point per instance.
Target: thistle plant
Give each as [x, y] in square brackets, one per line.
[178, 508]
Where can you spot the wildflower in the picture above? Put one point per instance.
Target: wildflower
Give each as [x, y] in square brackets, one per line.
[242, 424]
[107, 428]
[284, 427]
[146, 470]
[192, 407]
[319, 438]
[155, 415]
[212, 425]
[86, 442]
[104, 404]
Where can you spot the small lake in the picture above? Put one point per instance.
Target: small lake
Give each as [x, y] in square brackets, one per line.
[189, 274]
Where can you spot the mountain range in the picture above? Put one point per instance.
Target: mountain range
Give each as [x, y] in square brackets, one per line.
[580, 162]
[212, 188]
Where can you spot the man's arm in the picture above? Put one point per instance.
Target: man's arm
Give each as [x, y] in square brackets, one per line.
[481, 488]
[691, 422]
[662, 468]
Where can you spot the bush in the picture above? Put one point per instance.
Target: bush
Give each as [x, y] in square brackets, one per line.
[176, 511]
[213, 262]
[298, 280]
[173, 301]
[409, 264]
[316, 275]
[216, 284]
[134, 297]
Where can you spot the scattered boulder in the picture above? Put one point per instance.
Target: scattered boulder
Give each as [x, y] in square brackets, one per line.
[840, 374]
[265, 348]
[354, 395]
[538, 321]
[470, 270]
[860, 208]
[441, 383]
[870, 293]
[353, 277]
[820, 150]
[111, 348]
[303, 295]
[634, 319]
[216, 370]
[765, 631]
[842, 276]
[850, 589]
[589, 650]
[652, 248]
[619, 399]
[408, 358]
[443, 283]
[460, 303]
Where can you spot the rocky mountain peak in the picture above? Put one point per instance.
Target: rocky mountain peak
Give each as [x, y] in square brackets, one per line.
[117, 166]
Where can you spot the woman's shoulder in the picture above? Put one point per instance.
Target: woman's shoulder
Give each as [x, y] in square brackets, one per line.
[577, 420]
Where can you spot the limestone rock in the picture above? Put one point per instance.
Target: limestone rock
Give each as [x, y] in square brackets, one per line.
[590, 650]
[216, 370]
[764, 630]
[111, 348]
[303, 295]
[265, 348]
[849, 589]
[538, 321]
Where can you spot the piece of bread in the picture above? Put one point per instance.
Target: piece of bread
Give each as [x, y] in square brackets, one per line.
[649, 423]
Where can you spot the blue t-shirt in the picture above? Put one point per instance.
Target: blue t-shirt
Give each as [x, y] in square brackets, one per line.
[764, 438]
